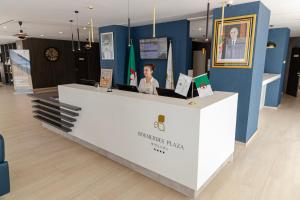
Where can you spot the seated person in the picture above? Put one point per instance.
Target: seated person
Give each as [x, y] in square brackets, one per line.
[148, 84]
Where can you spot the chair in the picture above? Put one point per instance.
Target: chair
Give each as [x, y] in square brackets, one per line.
[4, 171]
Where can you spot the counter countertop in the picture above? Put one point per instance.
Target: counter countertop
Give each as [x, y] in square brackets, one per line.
[268, 78]
[200, 102]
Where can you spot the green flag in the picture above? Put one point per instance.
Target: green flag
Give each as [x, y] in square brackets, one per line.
[203, 85]
[132, 75]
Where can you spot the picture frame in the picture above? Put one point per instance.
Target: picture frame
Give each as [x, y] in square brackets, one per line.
[107, 46]
[106, 78]
[233, 47]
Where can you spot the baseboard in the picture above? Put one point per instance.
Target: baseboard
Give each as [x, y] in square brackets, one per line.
[245, 144]
[270, 107]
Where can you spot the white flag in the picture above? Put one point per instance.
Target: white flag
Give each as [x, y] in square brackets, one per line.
[170, 76]
[183, 85]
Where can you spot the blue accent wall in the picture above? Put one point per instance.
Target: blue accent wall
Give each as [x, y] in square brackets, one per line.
[120, 52]
[246, 82]
[176, 31]
[276, 63]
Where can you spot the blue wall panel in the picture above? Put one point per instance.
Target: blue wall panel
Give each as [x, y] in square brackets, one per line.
[276, 63]
[259, 56]
[119, 64]
[177, 31]
[247, 82]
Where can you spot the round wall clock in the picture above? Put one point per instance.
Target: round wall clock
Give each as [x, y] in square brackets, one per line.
[52, 54]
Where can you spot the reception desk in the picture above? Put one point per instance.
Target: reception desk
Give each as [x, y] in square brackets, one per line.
[173, 141]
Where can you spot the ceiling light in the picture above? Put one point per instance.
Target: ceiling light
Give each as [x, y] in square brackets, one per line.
[84, 28]
[90, 7]
[42, 35]
[60, 32]
[200, 29]
[5, 27]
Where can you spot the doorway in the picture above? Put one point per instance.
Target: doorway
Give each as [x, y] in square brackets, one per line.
[293, 85]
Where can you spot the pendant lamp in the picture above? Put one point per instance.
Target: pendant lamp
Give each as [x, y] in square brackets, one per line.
[223, 14]
[73, 47]
[207, 21]
[154, 20]
[91, 29]
[129, 31]
[78, 37]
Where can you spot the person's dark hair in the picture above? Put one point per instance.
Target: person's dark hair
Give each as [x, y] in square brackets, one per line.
[151, 66]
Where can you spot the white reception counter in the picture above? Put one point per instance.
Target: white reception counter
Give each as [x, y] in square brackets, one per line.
[180, 145]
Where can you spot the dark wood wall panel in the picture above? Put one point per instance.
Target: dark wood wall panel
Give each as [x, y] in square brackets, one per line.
[49, 74]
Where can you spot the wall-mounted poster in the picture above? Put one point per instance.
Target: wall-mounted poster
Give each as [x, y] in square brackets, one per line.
[106, 78]
[21, 70]
[107, 46]
[233, 47]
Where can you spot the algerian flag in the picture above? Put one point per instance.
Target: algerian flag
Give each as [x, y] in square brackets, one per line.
[203, 85]
[132, 75]
[170, 76]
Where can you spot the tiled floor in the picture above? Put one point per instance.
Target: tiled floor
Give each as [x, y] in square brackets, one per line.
[47, 166]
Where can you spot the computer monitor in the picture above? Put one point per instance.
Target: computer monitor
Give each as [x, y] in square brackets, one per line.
[87, 82]
[172, 93]
[128, 88]
[169, 93]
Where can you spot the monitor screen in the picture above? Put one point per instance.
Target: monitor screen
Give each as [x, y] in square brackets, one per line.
[155, 48]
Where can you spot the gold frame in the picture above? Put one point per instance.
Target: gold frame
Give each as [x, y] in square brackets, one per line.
[248, 57]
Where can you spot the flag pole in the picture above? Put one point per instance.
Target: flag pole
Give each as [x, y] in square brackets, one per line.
[192, 102]
[192, 88]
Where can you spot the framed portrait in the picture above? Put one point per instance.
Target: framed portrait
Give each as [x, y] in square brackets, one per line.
[233, 47]
[107, 46]
[106, 78]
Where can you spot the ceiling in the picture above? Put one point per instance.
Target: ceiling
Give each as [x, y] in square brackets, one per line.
[48, 18]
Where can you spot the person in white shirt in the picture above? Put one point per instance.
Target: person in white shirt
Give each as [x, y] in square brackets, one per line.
[148, 84]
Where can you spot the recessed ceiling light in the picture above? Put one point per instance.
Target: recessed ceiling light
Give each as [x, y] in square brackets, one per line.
[199, 29]
[42, 35]
[5, 27]
[90, 7]
[60, 32]
[84, 28]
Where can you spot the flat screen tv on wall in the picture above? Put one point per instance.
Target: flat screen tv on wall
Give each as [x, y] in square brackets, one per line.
[154, 48]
